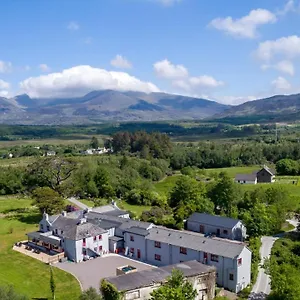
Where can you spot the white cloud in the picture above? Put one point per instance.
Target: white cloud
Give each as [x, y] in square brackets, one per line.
[181, 84]
[5, 66]
[73, 26]
[287, 47]
[44, 68]
[205, 81]
[121, 62]
[246, 26]
[284, 66]
[290, 6]
[79, 80]
[165, 69]
[280, 83]
[4, 85]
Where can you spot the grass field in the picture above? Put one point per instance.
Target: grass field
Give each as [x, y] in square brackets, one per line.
[136, 209]
[166, 185]
[65, 140]
[234, 170]
[26, 274]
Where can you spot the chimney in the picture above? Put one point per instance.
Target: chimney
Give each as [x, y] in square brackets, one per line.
[45, 216]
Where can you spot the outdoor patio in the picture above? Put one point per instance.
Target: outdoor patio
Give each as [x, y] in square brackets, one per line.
[37, 253]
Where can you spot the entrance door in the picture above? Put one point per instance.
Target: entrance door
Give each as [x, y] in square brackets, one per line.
[138, 253]
[218, 232]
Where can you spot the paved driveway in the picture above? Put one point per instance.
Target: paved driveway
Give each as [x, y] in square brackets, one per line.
[90, 273]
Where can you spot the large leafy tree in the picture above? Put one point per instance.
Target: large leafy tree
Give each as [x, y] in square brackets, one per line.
[109, 291]
[94, 143]
[48, 200]
[51, 172]
[176, 288]
[225, 195]
[189, 196]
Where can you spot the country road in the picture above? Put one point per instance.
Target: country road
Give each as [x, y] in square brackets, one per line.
[77, 203]
[262, 287]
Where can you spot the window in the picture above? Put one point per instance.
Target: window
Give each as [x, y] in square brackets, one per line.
[42, 227]
[131, 238]
[157, 257]
[183, 250]
[95, 238]
[205, 255]
[61, 232]
[84, 251]
[201, 229]
[100, 248]
[131, 250]
[48, 228]
[230, 276]
[100, 237]
[83, 242]
[214, 257]
[240, 261]
[157, 245]
[225, 231]
[56, 231]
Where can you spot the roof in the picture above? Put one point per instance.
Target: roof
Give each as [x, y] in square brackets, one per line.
[45, 237]
[208, 219]
[270, 171]
[138, 231]
[195, 241]
[121, 223]
[116, 238]
[154, 276]
[246, 177]
[104, 209]
[117, 212]
[64, 223]
[83, 231]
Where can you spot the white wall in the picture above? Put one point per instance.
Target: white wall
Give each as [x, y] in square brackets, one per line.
[138, 243]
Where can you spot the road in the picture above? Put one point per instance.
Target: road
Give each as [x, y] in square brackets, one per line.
[262, 287]
[77, 203]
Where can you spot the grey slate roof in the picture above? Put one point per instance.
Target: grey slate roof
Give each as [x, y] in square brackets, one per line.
[270, 171]
[138, 231]
[116, 238]
[194, 241]
[208, 219]
[122, 223]
[64, 223]
[117, 212]
[154, 276]
[246, 177]
[83, 231]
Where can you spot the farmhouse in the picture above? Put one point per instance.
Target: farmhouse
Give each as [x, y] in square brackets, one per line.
[139, 285]
[219, 226]
[82, 235]
[264, 175]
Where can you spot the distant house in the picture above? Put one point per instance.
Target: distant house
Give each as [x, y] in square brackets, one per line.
[222, 227]
[264, 175]
[50, 153]
[96, 151]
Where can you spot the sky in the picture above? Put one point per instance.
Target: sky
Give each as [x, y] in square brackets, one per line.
[230, 51]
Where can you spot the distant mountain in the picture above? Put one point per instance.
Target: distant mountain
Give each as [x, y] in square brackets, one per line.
[106, 105]
[274, 107]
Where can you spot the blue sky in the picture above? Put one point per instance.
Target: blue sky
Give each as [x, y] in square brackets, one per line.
[231, 51]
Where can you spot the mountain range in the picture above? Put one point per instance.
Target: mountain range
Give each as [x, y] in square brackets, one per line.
[111, 105]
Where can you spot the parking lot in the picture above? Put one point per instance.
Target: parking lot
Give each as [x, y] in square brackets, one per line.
[91, 272]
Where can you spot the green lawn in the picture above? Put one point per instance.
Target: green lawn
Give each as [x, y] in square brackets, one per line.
[232, 171]
[136, 209]
[166, 185]
[89, 203]
[27, 275]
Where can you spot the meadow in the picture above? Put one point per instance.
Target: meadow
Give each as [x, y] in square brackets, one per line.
[27, 275]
